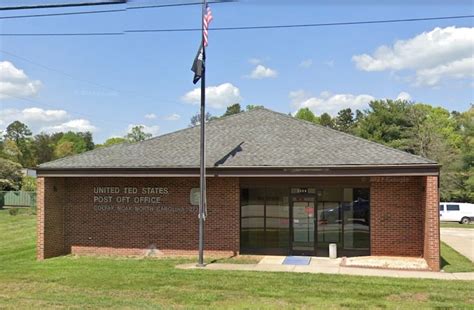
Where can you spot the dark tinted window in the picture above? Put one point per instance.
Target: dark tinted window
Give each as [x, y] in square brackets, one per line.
[452, 207]
[441, 207]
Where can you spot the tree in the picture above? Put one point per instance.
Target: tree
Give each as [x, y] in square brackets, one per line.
[81, 141]
[345, 120]
[138, 134]
[233, 109]
[306, 114]
[19, 133]
[196, 119]
[10, 175]
[63, 149]
[114, 140]
[326, 120]
[386, 122]
[28, 184]
[251, 107]
[43, 148]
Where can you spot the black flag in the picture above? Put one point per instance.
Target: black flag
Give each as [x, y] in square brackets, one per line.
[198, 65]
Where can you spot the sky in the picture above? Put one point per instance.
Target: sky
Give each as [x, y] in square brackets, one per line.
[108, 84]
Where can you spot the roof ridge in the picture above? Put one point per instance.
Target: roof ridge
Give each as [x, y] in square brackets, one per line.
[350, 135]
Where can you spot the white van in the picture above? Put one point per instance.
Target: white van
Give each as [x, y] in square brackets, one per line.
[456, 212]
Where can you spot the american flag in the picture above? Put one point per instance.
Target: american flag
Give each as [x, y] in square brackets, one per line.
[206, 22]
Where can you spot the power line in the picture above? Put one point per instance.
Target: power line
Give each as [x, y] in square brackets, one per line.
[60, 5]
[386, 21]
[314, 25]
[111, 11]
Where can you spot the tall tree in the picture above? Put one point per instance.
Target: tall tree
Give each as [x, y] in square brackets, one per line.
[345, 120]
[326, 120]
[138, 134]
[43, 148]
[386, 122]
[19, 133]
[233, 109]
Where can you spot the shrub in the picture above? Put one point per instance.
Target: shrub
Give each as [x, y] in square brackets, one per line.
[13, 211]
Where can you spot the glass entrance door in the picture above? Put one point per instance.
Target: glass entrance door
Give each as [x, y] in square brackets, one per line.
[303, 225]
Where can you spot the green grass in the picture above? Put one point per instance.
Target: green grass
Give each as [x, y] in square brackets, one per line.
[453, 261]
[92, 282]
[456, 225]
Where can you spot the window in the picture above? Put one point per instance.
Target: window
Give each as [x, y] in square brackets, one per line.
[441, 207]
[264, 219]
[452, 207]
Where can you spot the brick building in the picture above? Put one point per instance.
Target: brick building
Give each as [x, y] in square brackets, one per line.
[276, 185]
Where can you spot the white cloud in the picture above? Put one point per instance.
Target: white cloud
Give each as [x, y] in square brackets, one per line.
[173, 117]
[262, 72]
[327, 102]
[150, 116]
[39, 120]
[458, 69]
[404, 96]
[217, 97]
[15, 83]
[307, 63]
[72, 125]
[153, 130]
[442, 53]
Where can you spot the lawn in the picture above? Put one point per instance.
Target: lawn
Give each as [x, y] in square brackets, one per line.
[456, 225]
[88, 282]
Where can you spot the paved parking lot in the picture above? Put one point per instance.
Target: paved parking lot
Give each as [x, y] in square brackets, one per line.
[462, 240]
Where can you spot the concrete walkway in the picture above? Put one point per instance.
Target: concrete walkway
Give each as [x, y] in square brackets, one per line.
[329, 266]
[460, 239]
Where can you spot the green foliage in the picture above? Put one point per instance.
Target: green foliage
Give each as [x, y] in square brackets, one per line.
[28, 184]
[115, 140]
[80, 141]
[345, 120]
[10, 175]
[326, 120]
[306, 114]
[233, 109]
[13, 211]
[137, 134]
[250, 107]
[18, 144]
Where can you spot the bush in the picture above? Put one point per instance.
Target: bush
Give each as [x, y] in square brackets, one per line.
[13, 212]
[28, 184]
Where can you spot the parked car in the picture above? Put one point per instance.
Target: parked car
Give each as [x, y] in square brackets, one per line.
[456, 212]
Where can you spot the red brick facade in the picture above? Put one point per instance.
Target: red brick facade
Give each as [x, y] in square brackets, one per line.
[404, 217]
[82, 226]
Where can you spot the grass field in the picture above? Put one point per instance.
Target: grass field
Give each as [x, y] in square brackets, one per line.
[88, 282]
[456, 225]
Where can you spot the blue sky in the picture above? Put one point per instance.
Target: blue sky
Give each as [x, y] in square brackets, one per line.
[148, 81]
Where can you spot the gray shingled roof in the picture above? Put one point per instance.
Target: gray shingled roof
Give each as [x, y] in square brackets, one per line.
[257, 138]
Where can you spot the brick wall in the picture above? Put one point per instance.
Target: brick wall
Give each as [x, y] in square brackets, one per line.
[431, 222]
[50, 217]
[168, 228]
[396, 216]
[404, 217]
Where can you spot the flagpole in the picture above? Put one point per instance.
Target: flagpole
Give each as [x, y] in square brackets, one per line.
[202, 175]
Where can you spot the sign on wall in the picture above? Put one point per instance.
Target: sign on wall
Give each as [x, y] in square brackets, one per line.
[135, 199]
